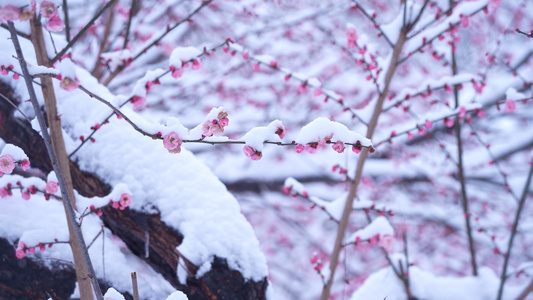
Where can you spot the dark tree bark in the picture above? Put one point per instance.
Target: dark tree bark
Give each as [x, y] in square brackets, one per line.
[133, 227]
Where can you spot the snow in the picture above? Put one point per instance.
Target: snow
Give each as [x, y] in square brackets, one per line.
[16, 152]
[177, 295]
[424, 285]
[113, 294]
[258, 135]
[181, 55]
[67, 68]
[323, 128]
[379, 225]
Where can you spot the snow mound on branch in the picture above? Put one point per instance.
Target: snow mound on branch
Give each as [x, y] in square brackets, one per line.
[380, 226]
[179, 187]
[424, 285]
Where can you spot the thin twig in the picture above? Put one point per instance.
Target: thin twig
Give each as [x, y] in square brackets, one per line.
[82, 31]
[514, 230]
[67, 23]
[373, 20]
[126, 36]
[460, 167]
[15, 106]
[19, 33]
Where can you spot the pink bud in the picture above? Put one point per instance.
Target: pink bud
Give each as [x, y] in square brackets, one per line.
[339, 147]
[428, 124]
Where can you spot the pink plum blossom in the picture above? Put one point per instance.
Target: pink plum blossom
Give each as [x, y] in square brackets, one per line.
[299, 148]
[510, 106]
[338, 146]
[387, 242]
[196, 65]
[51, 187]
[68, 84]
[125, 201]
[25, 195]
[252, 153]
[55, 24]
[207, 129]
[172, 142]
[10, 13]
[7, 164]
[176, 72]
[114, 204]
[137, 101]
[25, 164]
[223, 122]
[4, 192]
[48, 9]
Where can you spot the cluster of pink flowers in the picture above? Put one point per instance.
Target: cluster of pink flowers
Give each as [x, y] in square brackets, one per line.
[215, 126]
[338, 146]
[5, 70]
[178, 71]
[68, 83]
[22, 248]
[7, 164]
[122, 203]
[287, 190]
[47, 10]
[317, 263]
[172, 142]
[351, 35]
[6, 191]
[14, 13]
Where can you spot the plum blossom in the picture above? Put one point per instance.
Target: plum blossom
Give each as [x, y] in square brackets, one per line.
[172, 142]
[137, 101]
[10, 13]
[338, 146]
[51, 187]
[68, 83]
[351, 35]
[48, 9]
[387, 242]
[176, 72]
[21, 250]
[510, 106]
[27, 11]
[125, 201]
[25, 164]
[252, 153]
[223, 122]
[7, 164]
[299, 148]
[55, 24]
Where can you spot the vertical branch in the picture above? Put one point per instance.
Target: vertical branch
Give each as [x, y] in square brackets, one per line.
[460, 166]
[56, 150]
[126, 36]
[97, 70]
[513, 234]
[343, 223]
[135, 286]
[67, 25]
